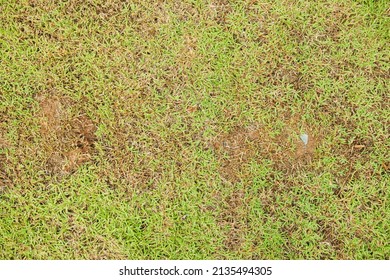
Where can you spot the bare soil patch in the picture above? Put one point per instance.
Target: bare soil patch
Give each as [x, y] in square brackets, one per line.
[68, 140]
[3, 142]
[4, 178]
[238, 147]
[234, 217]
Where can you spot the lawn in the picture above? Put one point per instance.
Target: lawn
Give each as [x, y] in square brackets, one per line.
[172, 129]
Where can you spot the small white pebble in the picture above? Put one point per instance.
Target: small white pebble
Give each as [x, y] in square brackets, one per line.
[304, 138]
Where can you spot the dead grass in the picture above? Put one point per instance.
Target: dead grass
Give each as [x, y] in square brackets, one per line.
[5, 180]
[68, 141]
[286, 151]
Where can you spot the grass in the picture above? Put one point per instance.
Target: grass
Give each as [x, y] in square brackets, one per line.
[170, 129]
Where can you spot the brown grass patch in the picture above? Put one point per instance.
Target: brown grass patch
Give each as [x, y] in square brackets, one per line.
[131, 157]
[330, 232]
[234, 217]
[67, 140]
[4, 177]
[236, 149]
[3, 142]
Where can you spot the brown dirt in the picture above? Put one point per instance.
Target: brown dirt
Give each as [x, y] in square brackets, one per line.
[3, 143]
[234, 217]
[50, 110]
[4, 178]
[67, 140]
[330, 232]
[286, 151]
[234, 151]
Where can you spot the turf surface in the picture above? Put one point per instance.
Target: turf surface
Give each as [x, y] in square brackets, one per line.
[171, 129]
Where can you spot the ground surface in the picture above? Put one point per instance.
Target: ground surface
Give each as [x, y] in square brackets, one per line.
[170, 129]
